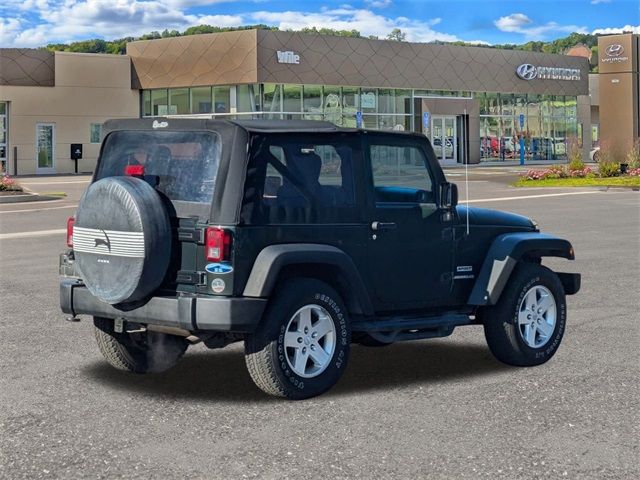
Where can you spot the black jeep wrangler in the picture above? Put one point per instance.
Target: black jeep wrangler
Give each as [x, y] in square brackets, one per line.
[298, 238]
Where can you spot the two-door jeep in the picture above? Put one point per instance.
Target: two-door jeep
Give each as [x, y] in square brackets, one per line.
[298, 238]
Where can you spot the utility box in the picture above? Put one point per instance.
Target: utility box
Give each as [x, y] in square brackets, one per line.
[76, 154]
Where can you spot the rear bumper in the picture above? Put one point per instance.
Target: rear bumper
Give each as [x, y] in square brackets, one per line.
[188, 312]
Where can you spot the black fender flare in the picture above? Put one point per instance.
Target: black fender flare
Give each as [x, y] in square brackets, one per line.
[272, 259]
[505, 251]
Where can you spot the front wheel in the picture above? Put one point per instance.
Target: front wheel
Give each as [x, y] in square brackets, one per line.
[301, 347]
[526, 326]
[140, 352]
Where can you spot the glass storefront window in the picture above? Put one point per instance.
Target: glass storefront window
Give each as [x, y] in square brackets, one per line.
[595, 134]
[146, 103]
[571, 105]
[221, 99]
[95, 129]
[312, 101]
[369, 100]
[370, 121]
[247, 98]
[271, 96]
[45, 146]
[312, 98]
[179, 101]
[201, 100]
[159, 102]
[386, 101]
[333, 105]
[492, 104]
[403, 101]
[507, 103]
[292, 98]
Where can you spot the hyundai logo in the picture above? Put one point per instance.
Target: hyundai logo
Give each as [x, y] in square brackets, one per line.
[614, 50]
[526, 71]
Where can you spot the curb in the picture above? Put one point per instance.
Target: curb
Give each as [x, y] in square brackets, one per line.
[29, 197]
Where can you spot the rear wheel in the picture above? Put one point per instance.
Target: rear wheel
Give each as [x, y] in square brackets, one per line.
[144, 352]
[301, 346]
[526, 327]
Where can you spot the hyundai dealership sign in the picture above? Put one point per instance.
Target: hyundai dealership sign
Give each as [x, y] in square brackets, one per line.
[614, 53]
[527, 71]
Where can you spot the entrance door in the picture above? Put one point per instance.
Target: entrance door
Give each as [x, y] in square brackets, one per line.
[45, 148]
[444, 137]
[4, 152]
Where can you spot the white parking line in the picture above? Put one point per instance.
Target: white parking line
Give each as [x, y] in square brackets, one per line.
[54, 183]
[524, 197]
[37, 209]
[38, 233]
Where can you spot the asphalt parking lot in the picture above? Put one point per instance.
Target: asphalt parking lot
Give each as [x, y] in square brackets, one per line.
[426, 409]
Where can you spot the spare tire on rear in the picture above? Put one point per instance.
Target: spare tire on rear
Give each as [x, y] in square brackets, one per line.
[122, 239]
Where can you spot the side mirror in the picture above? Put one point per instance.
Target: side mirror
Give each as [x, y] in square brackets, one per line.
[448, 195]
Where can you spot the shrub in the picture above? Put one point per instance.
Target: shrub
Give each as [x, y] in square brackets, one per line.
[634, 172]
[633, 155]
[608, 169]
[8, 184]
[574, 154]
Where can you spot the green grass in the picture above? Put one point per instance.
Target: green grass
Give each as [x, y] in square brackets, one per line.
[632, 182]
[53, 194]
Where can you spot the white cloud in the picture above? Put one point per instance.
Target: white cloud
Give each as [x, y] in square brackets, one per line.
[9, 28]
[73, 20]
[596, 2]
[513, 23]
[615, 30]
[53, 21]
[378, 3]
[521, 23]
[365, 21]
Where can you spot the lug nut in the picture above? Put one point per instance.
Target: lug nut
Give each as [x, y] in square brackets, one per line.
[299, 339]
[314, 334]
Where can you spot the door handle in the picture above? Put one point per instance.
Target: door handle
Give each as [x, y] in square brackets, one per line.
[377, 226]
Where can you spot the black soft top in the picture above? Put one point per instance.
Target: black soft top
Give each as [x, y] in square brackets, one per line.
[257, 126]
[235, 136]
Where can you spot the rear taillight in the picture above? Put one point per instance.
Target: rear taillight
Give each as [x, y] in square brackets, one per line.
[70, 222]
[217, 244]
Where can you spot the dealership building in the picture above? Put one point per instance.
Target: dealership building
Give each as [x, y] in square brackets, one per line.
[474, 103]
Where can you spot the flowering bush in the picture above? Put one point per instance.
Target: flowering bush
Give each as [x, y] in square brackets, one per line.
[557, 171]
[634, 172]
[7, 183]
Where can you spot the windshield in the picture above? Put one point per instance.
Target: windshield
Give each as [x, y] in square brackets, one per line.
[181, 165]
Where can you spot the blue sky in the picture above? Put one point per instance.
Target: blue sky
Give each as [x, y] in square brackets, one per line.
[32, 23]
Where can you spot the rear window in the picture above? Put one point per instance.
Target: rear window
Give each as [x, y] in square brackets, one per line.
[181, 165]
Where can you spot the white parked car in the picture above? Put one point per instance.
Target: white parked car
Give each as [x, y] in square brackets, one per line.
[594, 155]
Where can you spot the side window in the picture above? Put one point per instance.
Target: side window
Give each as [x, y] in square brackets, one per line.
[400, 174]
[301, 179]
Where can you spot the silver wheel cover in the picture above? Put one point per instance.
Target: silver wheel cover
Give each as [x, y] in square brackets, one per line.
[537, 316]
[310, 341]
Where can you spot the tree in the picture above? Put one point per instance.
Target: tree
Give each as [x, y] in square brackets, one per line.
[398, 35]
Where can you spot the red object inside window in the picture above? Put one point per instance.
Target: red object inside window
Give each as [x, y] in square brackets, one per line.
[134, 170]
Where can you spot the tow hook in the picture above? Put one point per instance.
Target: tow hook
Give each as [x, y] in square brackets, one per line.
[72, 319]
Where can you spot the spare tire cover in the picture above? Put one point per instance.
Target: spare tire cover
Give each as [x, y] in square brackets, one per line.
[121, 239]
